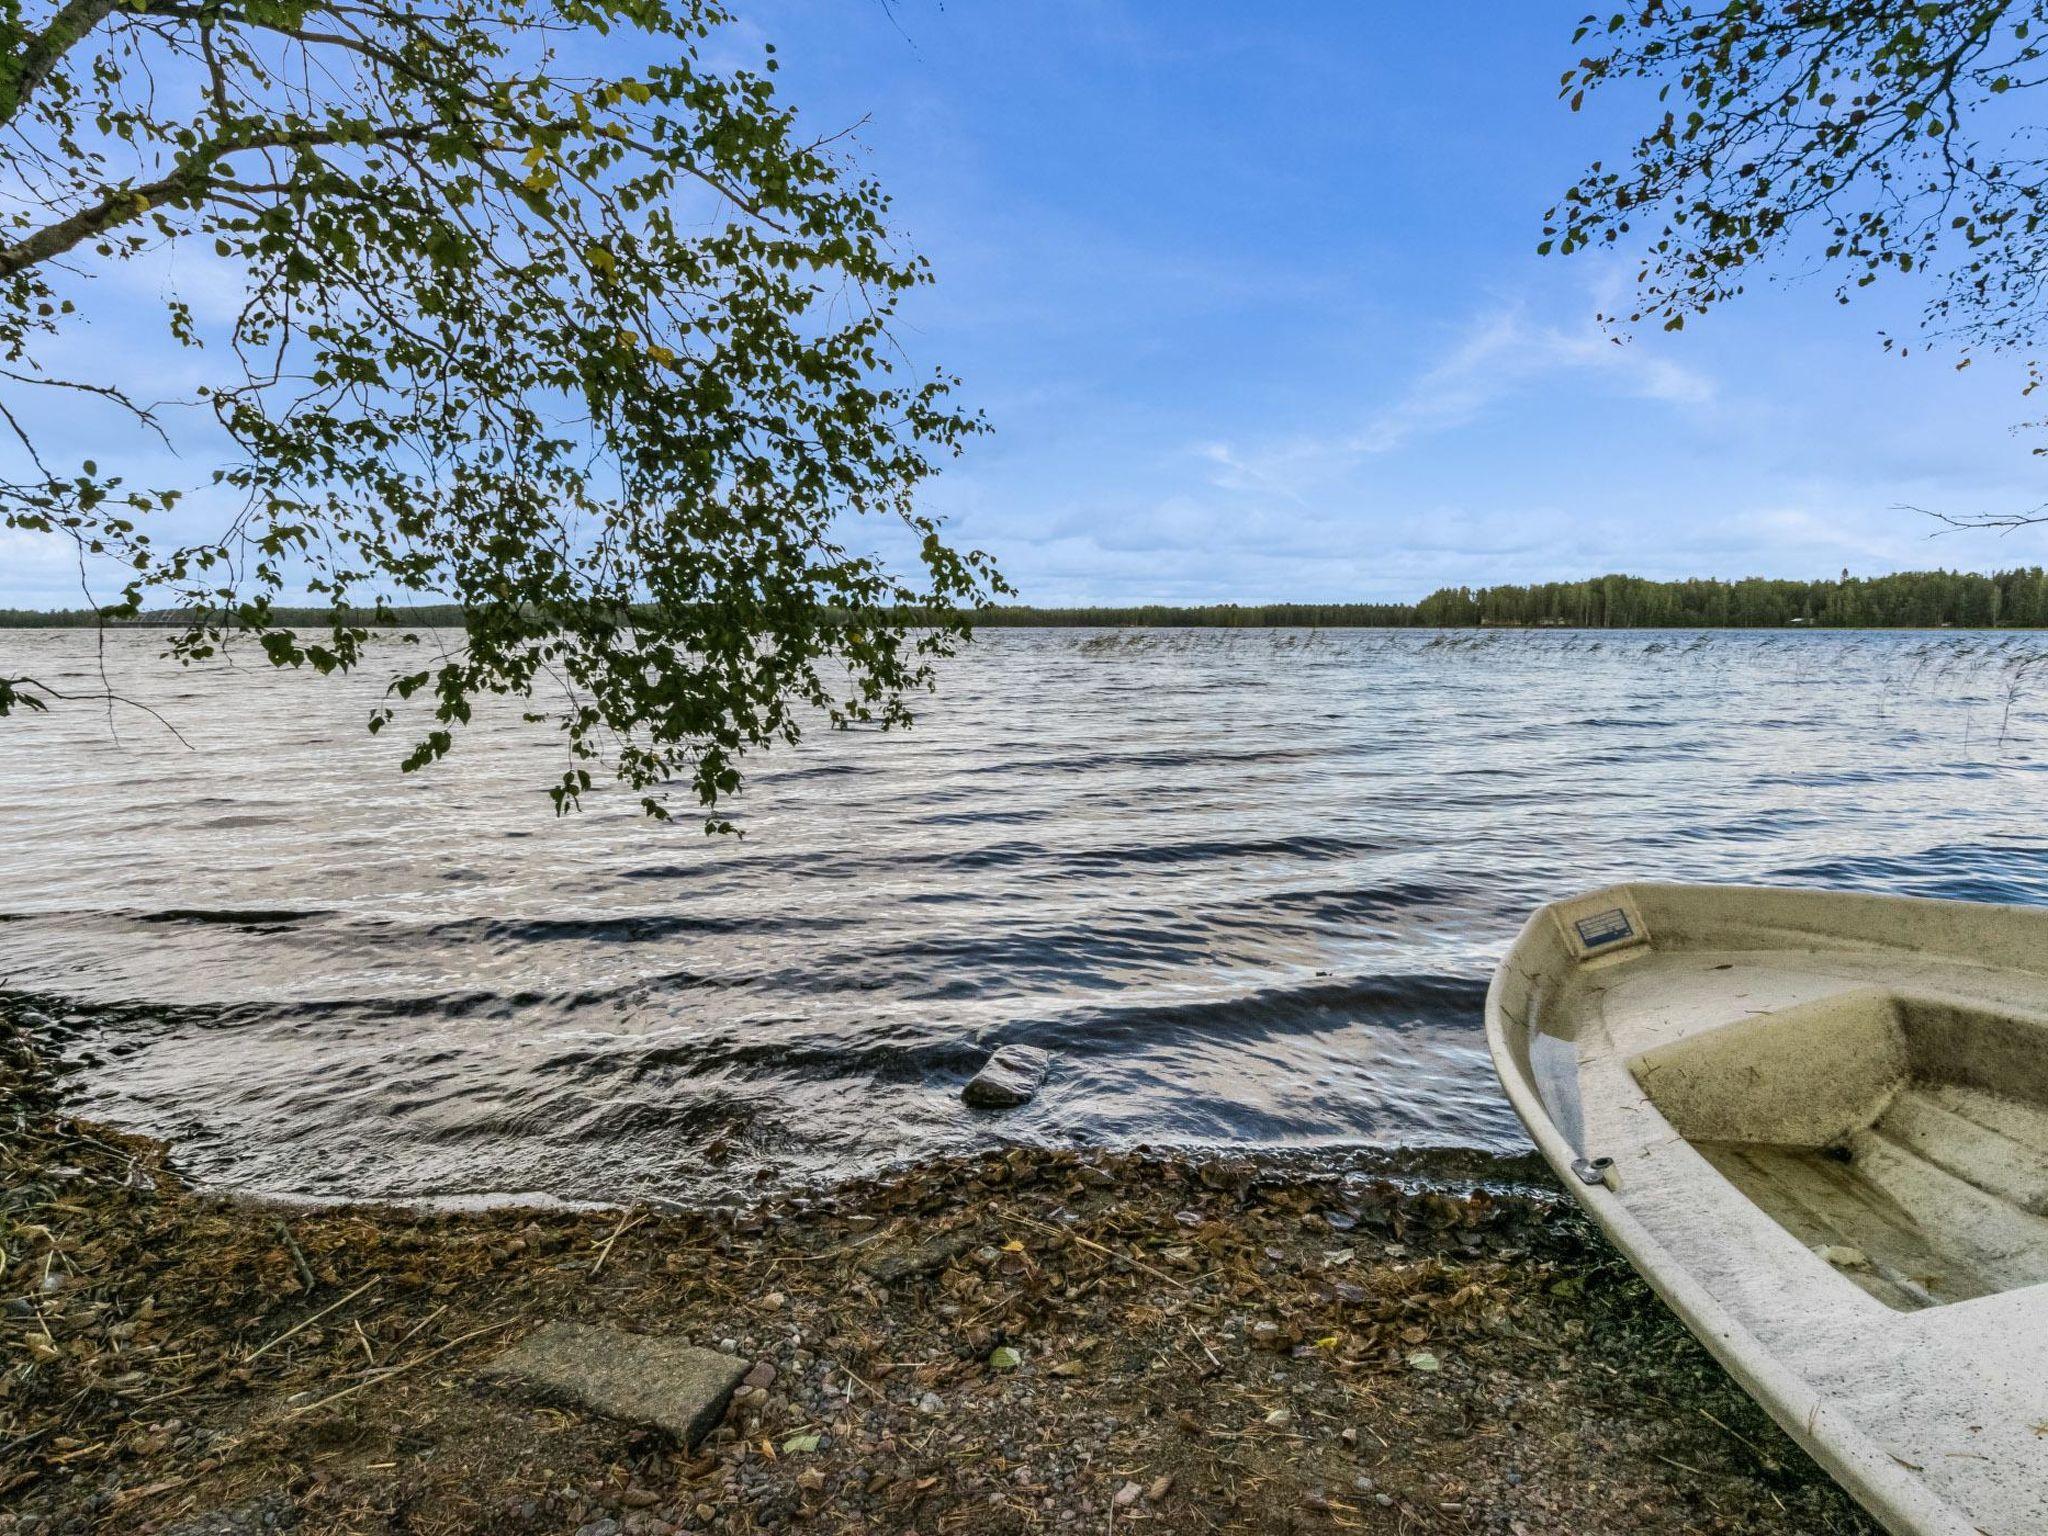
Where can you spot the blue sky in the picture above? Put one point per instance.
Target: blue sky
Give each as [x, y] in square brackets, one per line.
[1251, 298]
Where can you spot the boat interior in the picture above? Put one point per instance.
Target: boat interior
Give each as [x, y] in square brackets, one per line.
[1902, 1138]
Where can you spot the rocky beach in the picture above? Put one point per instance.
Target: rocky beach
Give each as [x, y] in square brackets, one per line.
[1028, 1340]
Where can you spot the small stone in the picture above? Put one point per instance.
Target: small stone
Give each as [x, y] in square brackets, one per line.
[1013, 1075]
[1128, 1495]
[605, 1527]
[762, 1375]
[1844, 1257]
[774, 1301]
[932, 1403]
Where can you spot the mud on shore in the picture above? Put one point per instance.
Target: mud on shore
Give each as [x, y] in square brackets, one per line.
[1037, 1341]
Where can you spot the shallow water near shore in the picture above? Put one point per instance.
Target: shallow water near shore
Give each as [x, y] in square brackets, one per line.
[1248, 885]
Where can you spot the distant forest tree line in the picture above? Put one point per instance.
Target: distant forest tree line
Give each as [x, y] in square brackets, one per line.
[2015, 599]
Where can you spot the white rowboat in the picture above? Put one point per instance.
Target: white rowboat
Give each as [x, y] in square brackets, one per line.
[1817, 1124]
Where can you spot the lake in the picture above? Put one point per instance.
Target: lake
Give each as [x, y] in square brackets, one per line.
[1249, 886]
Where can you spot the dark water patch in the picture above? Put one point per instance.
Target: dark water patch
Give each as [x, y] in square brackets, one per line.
[635, 928]
[979, 815]
[1198, 754]
[232, 917]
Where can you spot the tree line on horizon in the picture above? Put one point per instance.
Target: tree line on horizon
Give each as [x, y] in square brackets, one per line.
[2014, 599]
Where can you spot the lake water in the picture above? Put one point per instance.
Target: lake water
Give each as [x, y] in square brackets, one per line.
[1249, 887]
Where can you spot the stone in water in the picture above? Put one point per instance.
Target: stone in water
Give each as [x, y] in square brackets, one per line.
[1011, 1076]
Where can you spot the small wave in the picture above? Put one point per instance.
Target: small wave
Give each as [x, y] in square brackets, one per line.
[1399, 1003]
[2010, 873]
[232, 917]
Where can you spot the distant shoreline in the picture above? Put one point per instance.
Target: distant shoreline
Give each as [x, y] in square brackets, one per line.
[2000, 600]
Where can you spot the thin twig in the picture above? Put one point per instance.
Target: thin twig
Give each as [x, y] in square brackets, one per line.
[298, 1257]
[617, 1232]
[308, 1322]
[1157, 1274]
[400, 1369]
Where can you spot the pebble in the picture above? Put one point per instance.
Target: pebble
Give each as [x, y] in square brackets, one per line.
[1128, 1495]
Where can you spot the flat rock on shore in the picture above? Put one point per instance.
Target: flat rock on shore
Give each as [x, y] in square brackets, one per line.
[676, 1387]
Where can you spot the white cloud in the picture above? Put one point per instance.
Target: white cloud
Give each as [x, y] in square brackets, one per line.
[39, 571]
[1504, 352]
[1498, 355]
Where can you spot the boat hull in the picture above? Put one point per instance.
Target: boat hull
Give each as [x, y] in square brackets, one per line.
[1817, 1124]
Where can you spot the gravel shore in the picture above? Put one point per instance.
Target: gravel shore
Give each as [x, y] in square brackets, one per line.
[1037, 1341]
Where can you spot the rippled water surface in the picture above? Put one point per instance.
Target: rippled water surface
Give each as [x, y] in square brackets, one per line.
[1248, 886]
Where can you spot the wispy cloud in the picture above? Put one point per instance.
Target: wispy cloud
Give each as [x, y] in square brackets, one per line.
[1497, 356]
[1505, 352]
